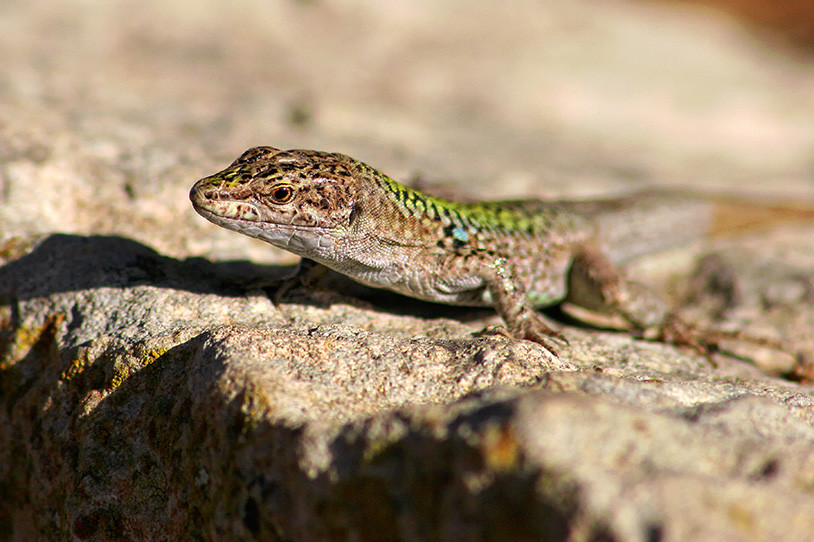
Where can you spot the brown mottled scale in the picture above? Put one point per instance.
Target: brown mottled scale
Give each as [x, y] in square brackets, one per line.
[513, 255]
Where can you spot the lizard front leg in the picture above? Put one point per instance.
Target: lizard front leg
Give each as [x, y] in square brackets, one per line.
[512, 303]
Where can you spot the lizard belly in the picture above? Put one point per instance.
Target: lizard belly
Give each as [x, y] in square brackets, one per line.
[436, 277]
[462, 289]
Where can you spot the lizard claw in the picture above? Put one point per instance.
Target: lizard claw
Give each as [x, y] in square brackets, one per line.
[531, 329]
[536, 330]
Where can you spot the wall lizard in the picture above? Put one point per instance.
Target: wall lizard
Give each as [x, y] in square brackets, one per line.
[513, 255]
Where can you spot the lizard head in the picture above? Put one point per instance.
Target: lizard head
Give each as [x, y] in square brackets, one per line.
[301, 201]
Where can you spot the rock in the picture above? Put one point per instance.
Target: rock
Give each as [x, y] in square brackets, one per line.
[141, 403]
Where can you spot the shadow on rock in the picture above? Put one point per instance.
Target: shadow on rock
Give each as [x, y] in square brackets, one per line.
[62, 263]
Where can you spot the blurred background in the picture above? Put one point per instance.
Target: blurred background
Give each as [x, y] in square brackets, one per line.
[109, 111]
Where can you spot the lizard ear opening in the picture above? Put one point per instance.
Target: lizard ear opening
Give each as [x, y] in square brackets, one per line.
[256, 153]
[354, 215]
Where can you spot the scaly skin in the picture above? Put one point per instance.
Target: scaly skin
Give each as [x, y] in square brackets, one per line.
[513, 255]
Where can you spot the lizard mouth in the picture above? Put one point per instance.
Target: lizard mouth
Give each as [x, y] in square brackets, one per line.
[247, 218]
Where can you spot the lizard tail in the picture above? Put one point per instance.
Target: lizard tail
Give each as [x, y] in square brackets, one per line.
[731, 216]
[648, 222]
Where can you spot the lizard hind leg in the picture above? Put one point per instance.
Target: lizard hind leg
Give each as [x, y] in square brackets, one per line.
[604, 296]
[596, 284]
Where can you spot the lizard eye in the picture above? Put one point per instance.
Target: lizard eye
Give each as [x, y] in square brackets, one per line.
[282, 193]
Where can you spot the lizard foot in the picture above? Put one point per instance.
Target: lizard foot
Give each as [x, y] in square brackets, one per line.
[708, 341]
[531, 329]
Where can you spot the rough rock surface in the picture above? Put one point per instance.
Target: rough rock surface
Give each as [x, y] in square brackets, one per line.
[147, 393]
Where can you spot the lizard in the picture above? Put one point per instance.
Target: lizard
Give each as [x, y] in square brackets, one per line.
[515, 256]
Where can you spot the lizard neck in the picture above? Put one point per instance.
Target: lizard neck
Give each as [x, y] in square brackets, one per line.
[393, 212]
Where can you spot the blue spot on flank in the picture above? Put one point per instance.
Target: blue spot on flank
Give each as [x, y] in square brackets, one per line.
[460, 235]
